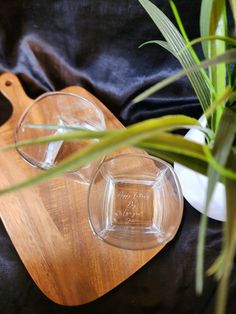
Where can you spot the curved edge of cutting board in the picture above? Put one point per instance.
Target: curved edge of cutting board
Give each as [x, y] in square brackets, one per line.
[66, 261]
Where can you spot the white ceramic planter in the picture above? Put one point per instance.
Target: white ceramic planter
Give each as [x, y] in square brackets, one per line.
[194, 185]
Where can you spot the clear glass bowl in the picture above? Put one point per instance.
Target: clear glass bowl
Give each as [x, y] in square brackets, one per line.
[135, 202]
[61, 109]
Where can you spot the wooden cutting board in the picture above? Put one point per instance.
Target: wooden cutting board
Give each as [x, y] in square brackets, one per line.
[48, 223]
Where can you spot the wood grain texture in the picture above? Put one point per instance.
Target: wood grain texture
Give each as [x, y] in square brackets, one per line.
[48, 223]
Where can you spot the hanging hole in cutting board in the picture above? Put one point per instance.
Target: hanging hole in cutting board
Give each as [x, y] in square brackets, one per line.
[8, 83]
[6, 109]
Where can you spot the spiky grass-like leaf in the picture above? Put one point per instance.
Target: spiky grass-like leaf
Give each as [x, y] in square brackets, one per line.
[177, 43]
[111, 142]
[227, 57]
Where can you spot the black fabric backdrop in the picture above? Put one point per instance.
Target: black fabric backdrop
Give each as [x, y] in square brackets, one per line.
[51, 44]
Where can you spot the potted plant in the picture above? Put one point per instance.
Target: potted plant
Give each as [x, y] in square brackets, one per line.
[215, 157]
[215, 90]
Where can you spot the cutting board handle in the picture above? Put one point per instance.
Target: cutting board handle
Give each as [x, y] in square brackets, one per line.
[12, 89]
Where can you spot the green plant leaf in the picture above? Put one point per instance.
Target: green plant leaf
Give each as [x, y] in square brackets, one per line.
[221, 149]
[68, 136]
[227, 57]
[200, 253]
[218, 26]
[177, 43]
[222, 171]
[161, 43]
[111, 142]
[205, 15]
[174, 143]
[190, 162]
[178, 20]
[213, 21]
[229, 40]
[233, 9]
[55, 127]
[161, 124]
[226, 95]
[185, 36]
[229, 242]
